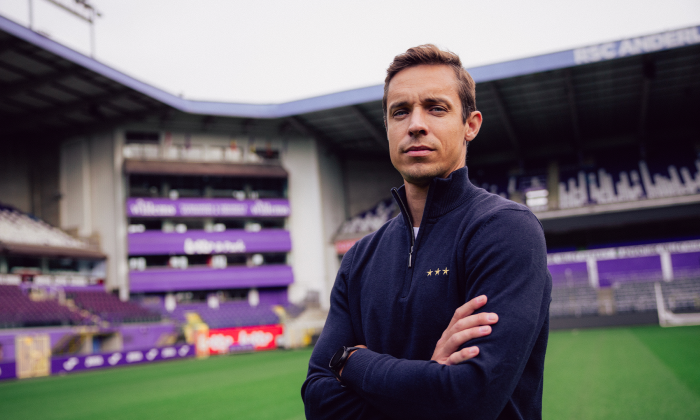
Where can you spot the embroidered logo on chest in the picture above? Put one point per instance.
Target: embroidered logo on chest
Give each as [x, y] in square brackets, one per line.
[438, 272]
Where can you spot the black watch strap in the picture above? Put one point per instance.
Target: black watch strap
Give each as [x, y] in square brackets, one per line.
[339, 358]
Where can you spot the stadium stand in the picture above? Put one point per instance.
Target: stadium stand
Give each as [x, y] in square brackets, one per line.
[566, 139]
[573, 300]
[18, 227]
[228, 314]
[17, 310]
[598, 185]
[109, 308]
[634, 297]
[682, 296]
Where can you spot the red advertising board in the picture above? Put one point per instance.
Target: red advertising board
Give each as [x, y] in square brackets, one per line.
[341, 247]
[262, 337]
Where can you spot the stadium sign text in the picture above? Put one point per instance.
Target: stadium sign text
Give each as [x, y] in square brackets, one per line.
[206, 207]
[636, 46]
[204, 246]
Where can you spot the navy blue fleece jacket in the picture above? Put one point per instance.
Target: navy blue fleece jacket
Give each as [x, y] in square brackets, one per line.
[397, 299]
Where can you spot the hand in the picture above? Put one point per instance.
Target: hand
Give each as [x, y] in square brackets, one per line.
[463, 327]
[346, 362]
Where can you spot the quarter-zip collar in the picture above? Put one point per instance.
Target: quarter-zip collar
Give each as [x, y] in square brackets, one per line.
[444, 195]
[400, 198]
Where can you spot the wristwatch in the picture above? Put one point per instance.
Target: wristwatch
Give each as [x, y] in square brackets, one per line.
[339, 358]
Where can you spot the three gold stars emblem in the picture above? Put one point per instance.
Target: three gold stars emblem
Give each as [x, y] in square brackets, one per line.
[437, 272]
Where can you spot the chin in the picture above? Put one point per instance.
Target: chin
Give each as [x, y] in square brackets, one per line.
[420, 174]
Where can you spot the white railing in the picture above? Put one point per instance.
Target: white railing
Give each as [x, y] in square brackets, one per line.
[192, 153]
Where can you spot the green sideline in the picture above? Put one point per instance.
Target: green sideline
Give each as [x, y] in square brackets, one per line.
[617, 373]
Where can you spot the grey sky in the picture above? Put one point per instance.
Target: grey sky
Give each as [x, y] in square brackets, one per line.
[276, 51]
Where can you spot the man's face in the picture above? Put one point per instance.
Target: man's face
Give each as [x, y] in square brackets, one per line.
[427, 137]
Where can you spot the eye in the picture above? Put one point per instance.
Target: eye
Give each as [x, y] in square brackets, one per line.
[399, 113]
[438, 108]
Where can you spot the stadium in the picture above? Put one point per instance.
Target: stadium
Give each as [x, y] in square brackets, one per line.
[137, 226]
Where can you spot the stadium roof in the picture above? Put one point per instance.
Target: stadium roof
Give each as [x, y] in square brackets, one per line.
[557, 103]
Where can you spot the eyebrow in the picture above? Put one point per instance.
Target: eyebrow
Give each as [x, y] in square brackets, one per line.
[434, 100]
[430, 100]
[398, 105]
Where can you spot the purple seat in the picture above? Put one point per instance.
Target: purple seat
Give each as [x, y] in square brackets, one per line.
[111, 309]
[18, 311]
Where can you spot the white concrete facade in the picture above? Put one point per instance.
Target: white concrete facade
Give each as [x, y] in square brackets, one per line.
[334, 214]
[93, 192]
[306, 222]
[92, 199]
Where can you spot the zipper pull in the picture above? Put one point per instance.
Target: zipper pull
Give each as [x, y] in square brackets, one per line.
[410, 254]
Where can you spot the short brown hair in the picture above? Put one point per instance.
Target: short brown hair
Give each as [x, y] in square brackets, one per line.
[430, 54]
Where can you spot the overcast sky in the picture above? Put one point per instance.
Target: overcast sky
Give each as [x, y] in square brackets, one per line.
[276, 51]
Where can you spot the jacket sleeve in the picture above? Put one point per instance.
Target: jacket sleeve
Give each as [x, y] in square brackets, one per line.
[509, 266]
[323, 395]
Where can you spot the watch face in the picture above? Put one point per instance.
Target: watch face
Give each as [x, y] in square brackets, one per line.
[337, 356]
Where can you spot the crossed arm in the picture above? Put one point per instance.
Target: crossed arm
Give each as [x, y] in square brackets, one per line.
[325, 397]
[463, 327]
[455, 383]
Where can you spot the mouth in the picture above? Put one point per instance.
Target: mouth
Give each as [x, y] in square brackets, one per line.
[418, 151]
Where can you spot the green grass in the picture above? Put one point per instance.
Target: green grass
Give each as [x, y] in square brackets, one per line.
[623, 373]
[263, 385]
[618, 373]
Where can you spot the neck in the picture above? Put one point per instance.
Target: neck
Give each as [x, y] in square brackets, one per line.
[416, 195]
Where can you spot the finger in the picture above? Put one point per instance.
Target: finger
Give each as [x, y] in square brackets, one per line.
[471, 321]
[448, 345]
[462, 337]
[468, 308]
[462, 355]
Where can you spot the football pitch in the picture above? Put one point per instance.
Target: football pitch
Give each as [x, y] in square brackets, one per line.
[617, 373]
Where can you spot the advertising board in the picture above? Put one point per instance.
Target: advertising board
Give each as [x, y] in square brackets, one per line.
[7, 370]
[262, 337]
[199, 242]
[120, 358]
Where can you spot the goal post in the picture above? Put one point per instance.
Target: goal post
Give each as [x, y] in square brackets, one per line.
[668, 318]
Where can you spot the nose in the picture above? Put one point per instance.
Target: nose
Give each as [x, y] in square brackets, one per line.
[417, 126]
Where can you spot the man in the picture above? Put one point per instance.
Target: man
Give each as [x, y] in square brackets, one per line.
[399, 298]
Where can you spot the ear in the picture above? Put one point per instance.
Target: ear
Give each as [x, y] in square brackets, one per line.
[472, 126]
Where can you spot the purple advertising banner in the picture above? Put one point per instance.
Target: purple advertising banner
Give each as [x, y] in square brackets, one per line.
[119, 358]
[202, 242]
[686, 264]
[7, 370]
[172, 279]
[629, 270]
[207, 207]
[569, 273]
